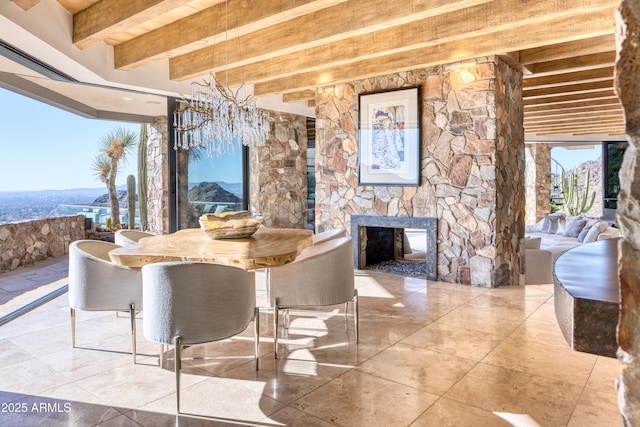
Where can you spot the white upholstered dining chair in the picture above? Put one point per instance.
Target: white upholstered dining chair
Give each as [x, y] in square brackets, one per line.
[332, 233]
[130, 237]
[189, 303]
[321, 275]
[97, 284]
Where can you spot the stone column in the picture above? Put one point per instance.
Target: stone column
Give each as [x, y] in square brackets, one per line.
[158, 176]
[537, 181]
[471, 162]
[627, 84]
[279, 173]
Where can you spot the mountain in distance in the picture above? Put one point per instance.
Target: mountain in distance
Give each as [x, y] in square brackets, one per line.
[232, 187]
[212, 192]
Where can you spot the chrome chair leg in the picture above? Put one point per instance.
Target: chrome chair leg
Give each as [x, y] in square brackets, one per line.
[356, 312]
[161, 356]
[256, 335]
[73, 328]
[132, 310]
[275, 329]
[178, 366]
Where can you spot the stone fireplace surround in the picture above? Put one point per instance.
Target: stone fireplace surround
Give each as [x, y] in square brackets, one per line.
[358, 230]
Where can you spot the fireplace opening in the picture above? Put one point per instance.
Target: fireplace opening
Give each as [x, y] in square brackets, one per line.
[384, 244]
[406, 245]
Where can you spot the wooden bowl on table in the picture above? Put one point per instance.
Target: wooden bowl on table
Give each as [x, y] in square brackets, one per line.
[230, 225]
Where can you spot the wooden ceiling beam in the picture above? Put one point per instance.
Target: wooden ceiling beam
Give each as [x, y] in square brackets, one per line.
[25, 4]
[303, 95]
[561, 99]
[558, 51]
[603, 109]
[567, 89]
[349, 19]
[590, 75]
[605, 59]
[208, 27]
[612, 101]
[586, 122]
[504, 40]
[565, 118]
[107, 17]
[415, 35]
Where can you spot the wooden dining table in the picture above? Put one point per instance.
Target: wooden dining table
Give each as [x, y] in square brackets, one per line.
[266, 248]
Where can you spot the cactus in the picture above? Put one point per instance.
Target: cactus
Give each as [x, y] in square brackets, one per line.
[131, 201]
[574, 203]
[108, 224]
[142, 177]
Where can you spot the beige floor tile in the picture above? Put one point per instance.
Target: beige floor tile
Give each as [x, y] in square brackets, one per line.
[540, 332]
[30, 377]
[454, 340]
[359, 399]
[519, 302]
[502, 321]
[293, 417]
[289, 378]
[79, 363]
[418, 368]
[38, 320]
[387, 330]
[11, 353]
[72, 393]
[449, 413]
[132, 386]
[604, 374]
[221, 398]
[548, 402]
[596, 408]
[556, 363]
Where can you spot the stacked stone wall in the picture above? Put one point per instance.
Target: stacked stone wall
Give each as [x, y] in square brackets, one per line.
[279, 173]
[628, 213]
[472, 166]
[24, 243]
[158, 177]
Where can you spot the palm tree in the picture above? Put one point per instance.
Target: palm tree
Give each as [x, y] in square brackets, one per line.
[114, 148]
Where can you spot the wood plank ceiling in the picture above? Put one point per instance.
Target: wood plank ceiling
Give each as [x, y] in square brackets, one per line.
[565, 48]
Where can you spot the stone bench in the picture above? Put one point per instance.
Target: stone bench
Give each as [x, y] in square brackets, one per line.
[586, 295]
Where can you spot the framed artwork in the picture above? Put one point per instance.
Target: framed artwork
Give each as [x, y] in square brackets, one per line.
[389, 137]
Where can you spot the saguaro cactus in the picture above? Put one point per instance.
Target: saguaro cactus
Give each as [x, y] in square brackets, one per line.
[574, 203]
[142, 177]
[131, 200]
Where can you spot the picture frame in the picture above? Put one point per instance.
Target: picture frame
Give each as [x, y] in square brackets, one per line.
[389, 137]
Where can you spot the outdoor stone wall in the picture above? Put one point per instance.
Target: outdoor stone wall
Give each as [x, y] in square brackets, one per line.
[158, 176]
[278, 173]
[628, 213]
[537, 182]
[472, 166]
[24, 243]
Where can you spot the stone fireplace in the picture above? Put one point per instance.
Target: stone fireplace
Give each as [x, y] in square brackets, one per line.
[389, 242]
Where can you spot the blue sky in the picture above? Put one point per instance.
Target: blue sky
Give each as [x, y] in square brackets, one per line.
[44, 147]
[569, 159]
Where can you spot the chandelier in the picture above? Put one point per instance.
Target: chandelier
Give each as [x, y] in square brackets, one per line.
[218, 118]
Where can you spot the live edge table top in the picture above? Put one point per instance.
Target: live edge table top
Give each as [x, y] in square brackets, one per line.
[267, 247]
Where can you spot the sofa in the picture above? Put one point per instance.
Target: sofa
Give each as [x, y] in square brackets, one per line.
[554, 235]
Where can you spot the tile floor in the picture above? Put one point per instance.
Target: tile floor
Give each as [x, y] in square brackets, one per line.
[430, 353]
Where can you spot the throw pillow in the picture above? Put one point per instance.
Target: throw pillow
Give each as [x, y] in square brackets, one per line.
[574, 227]
[584, 232]
[532, 243]
[595, 231]
[550, 223]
